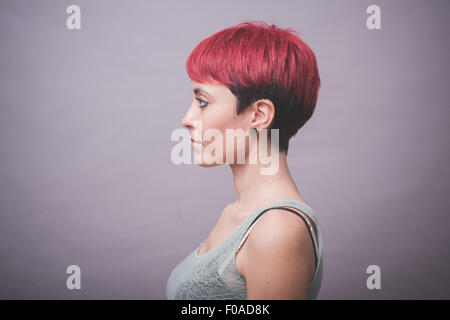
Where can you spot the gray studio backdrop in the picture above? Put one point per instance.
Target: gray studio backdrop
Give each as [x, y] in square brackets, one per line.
[86, 117]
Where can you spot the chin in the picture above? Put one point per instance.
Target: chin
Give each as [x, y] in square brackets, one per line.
[202, 163]
[208, 165]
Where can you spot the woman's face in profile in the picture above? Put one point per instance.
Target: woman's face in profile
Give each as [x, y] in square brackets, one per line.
[214, 107]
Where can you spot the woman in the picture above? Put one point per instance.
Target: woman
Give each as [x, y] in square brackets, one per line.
[255, 78]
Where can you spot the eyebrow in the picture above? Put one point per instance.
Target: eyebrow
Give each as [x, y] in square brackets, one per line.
[200, 90]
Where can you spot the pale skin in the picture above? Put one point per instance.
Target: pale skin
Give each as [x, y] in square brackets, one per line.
[277, 258]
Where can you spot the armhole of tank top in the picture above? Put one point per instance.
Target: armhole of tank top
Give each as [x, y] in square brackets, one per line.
[300, 213]
[312, 228]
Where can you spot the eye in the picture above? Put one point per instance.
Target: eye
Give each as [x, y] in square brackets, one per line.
[200, 103]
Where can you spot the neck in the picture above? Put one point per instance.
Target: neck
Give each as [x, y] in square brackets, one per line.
[255, 190]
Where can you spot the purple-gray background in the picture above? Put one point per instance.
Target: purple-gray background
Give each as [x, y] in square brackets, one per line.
[85, 124]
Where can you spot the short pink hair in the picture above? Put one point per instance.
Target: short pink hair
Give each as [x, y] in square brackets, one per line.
[260, 61]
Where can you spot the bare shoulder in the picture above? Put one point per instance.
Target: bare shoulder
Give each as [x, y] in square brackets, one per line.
[278, 257]
[279, 230]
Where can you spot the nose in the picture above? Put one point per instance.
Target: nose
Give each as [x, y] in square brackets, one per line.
[188, 119]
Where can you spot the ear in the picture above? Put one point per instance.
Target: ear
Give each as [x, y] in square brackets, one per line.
[263, 112]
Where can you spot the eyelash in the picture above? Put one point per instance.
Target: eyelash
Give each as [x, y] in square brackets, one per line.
[201, 101]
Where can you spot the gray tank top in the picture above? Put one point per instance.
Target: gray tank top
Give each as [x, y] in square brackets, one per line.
[214, 275]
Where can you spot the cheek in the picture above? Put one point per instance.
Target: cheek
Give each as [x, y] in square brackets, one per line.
[219, 121]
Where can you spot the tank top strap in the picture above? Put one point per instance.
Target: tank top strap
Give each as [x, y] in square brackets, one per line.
[283, 205]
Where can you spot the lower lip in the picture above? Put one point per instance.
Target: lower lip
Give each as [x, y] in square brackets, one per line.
[194, 143]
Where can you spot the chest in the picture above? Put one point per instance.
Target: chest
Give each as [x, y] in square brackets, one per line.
[228, 222]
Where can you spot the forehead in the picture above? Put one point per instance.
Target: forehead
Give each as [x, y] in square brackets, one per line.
[214, 90]
[202, 86]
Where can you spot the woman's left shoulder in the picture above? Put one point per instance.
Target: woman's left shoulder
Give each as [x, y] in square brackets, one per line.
[279, 229]
[279, 251]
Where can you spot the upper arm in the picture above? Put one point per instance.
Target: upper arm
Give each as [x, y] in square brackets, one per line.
[279, 257]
